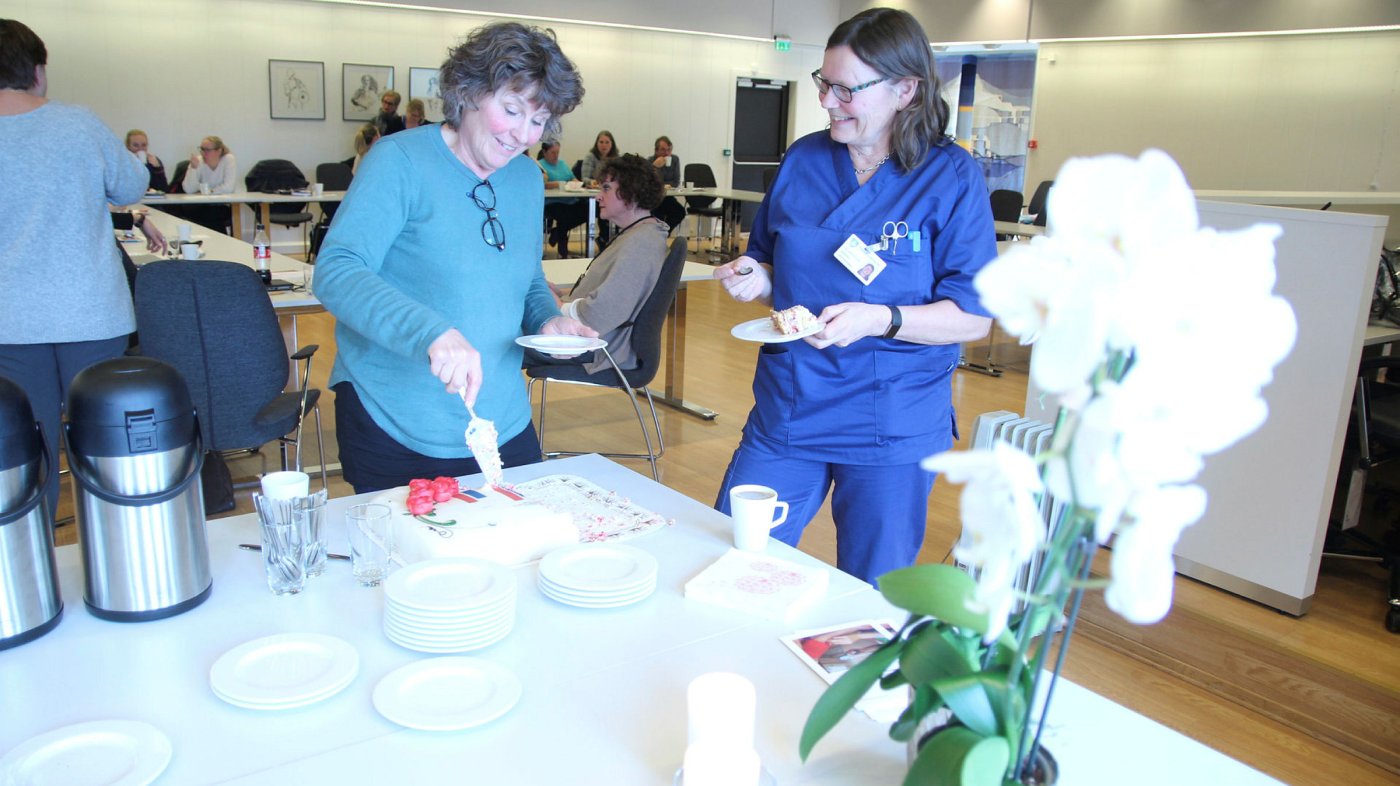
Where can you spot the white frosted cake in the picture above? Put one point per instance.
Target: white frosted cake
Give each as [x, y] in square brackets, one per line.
[493, 523]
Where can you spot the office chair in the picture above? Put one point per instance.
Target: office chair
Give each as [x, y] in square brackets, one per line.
[1037, 206]
[769, 173]
[214, 323]
[646, 344]
[333, 176]
[710, 207]
[1006, 206]
[1375, 437]
[272, 175]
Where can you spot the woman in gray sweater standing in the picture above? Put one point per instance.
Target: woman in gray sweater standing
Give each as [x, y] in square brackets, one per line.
[64, 302]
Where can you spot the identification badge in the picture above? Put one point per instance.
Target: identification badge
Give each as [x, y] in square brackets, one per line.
[858, 258]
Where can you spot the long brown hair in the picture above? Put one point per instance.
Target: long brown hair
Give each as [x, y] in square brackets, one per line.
[893, 43]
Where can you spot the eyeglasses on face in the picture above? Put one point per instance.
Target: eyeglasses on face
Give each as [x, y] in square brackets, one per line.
[208, 149]
[493, 232]
[843, 93]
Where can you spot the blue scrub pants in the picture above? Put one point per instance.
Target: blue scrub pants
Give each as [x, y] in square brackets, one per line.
[880, 510]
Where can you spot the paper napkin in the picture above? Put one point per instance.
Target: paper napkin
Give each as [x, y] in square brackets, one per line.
[757, 584]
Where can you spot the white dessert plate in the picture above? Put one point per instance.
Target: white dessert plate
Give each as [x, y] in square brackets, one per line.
[556, 590]
[463, 619]
[762, 331]
[598, 603]
[446, 694]
[108, 752]
[561, 345]
[434, 644]
[504, 621]
[414, 626]
[599, 567]
[447, 649]
[284, 669]
[287, 705]
[450, 584]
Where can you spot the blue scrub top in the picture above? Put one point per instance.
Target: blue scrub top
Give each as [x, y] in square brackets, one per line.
[878, 401]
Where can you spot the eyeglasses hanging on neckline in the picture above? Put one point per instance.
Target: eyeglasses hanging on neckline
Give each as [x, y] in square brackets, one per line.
[493, 232]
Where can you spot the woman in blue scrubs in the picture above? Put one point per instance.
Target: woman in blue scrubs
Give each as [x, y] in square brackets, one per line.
[853, 408]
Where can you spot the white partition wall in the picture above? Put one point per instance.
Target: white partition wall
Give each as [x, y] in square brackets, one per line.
[1271, 494]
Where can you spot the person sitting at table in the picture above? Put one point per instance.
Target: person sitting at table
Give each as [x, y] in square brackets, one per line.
[64, 303]
[432, 268]
[611, 292]
[416, 115]
[388, 120]
[604, 148]
[669, 166]
[565, 213]
[363, 140]
[214, 166]
[138, 144]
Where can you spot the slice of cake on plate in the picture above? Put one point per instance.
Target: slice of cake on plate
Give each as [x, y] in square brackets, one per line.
[793, 320]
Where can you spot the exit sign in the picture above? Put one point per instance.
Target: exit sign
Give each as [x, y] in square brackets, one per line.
[782, 44]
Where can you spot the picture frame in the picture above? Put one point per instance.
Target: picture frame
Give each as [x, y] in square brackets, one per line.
[296, 89]
[423, 83]
[361, 86]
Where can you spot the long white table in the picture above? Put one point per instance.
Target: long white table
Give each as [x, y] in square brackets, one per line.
[567, 271]
[251, 198]
[604, 689]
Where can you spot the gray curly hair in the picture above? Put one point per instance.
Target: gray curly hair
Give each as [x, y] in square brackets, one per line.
[511, 55]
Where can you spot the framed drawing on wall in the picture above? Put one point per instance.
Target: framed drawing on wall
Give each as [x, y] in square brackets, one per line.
[296, 89]
[361, 86]
[423, 83]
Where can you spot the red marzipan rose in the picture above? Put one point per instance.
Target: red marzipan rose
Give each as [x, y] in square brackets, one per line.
[420, 506]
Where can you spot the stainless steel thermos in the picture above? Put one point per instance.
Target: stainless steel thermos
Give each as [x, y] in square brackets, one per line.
[30, 605]
[135, 453]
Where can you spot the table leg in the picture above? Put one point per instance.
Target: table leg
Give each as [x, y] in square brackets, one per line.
[592, 228]
[237, 211]
[675, 362]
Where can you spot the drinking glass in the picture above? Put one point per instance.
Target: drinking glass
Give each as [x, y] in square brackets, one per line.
[282, 546]
[310, 514]
[370, 543]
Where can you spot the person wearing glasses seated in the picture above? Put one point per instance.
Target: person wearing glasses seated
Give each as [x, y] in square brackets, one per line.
[611, 292]
[853, 408]
[565, 213]
[212, 170]
[432, 268]
[139, 145]
[669, 166]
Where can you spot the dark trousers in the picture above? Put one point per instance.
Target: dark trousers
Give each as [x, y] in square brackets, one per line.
[670, 211]
[44, 372]
[371, 460]
[565, 218]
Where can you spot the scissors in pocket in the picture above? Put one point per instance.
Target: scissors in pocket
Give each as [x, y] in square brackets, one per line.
[893, 231]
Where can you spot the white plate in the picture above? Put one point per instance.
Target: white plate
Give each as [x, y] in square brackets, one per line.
[504, 621]
[598, 603]
[599, 567]
[110, 752]
[762, 331]
[435, 628]
[450, 584]
[435, 644]
[447, 649]
[446, 694]
[564, 346]
[284, 669]
[287, 705]
[556, 590]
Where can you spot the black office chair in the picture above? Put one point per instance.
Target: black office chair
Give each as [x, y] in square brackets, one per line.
[709, 207]
[273, 175]
[214, 323]
[1374, 437]
[768, 175]
[333, 176]
[1006, 206]
[646, 345]
[1038, 204]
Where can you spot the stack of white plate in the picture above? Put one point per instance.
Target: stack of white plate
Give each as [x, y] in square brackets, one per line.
[285, 671]
[598, 575]
[453, 604]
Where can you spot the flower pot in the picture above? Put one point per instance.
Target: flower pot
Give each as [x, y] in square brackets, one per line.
[1044, 770]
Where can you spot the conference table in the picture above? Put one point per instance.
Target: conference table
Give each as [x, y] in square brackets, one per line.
[730, 224]
[565, 272]
[252, 198]
[604, 690]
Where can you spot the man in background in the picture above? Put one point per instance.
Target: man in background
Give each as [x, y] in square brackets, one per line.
[388, 120]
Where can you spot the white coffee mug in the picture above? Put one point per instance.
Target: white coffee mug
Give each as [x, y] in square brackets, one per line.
[286, 485]
[142, 156]
[752, 507]
[667, 162]
[185, 231]
[689, 184]
[317, 189]
[189, 250]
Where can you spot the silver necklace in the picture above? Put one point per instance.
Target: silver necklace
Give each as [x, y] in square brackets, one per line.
[874, 166]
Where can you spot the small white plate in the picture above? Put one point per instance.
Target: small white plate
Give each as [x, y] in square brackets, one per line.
[450, 584]
[446, 694]
[762, 331]
[284, 669]
[109, 752]
[557, 591]
[563, 346]
[599, 567]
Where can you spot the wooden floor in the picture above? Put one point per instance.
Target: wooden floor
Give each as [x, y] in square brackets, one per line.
[1150, 669]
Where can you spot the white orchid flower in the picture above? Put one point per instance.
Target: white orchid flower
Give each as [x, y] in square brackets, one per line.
[1142, 570]
[1002, 525]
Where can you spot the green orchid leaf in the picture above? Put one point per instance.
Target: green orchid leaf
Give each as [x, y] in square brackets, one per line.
[968, 698]
[894, 679]
[958, 756]
[925, 701]
[843, 694]
[932, 654]
[940, 591]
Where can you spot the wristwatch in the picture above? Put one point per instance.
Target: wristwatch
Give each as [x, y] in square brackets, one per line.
[896, 321]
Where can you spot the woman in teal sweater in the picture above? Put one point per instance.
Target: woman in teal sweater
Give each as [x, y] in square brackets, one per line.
[432, 268]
